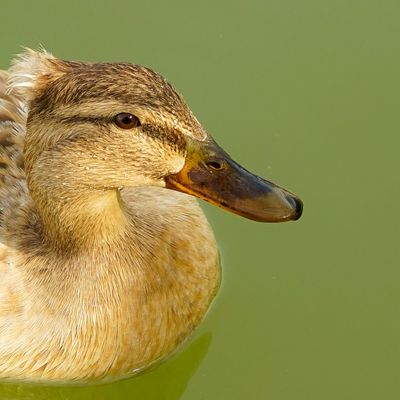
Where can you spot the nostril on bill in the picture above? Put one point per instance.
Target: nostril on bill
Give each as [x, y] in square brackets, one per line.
[215, 165]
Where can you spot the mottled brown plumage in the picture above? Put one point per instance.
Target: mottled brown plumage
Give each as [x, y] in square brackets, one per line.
[104, 271]
[97, 281]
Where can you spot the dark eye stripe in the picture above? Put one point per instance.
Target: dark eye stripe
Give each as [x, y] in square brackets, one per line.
[77, 119]
[171, 137]
[93, 120]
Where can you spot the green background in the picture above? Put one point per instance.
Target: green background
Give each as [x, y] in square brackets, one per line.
[305, 93]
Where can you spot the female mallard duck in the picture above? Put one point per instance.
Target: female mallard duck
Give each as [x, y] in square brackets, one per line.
[104, 270]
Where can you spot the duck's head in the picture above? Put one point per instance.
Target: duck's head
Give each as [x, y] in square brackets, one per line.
[108, 126]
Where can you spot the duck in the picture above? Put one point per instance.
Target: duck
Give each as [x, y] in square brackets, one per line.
[108, 263]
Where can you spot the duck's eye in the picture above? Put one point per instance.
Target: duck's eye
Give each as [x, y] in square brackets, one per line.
[127, 121]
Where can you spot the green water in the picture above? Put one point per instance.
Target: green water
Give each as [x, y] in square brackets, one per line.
[305, 93]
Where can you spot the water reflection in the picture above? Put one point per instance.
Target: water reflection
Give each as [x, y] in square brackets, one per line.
[167, 382]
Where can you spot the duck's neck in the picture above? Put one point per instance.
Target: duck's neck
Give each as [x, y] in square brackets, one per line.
[79, 218]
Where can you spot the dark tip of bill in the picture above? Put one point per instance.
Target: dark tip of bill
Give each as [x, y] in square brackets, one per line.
[297, 205]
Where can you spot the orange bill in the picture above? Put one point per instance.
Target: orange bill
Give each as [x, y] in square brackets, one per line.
[210, 174]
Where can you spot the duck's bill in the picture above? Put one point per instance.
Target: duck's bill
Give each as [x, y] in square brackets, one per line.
[210, 174]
